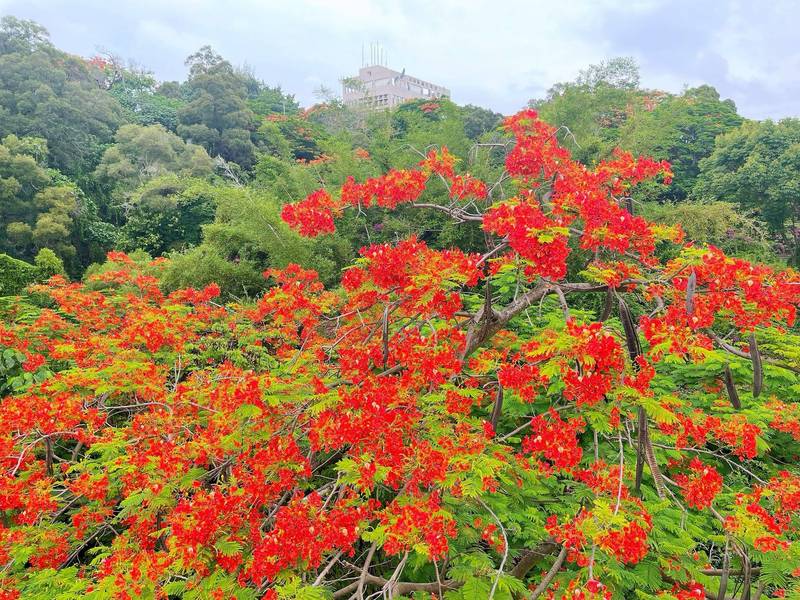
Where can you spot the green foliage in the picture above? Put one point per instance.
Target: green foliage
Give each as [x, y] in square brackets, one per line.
[167, 213]
[141, 153]
[415, 127]
[681, 129]
[143, 100]
[40, 208]
[48, 264]
[594, 107]
[290, 138]
[216, 115]
[758, 166]
[621, 72]
[52, 95]
[22, 35]
[15, 275]
[55, 584]
[716, 223]
[21, 176]
[246, 238]
[273, 100]
[605, 108]
[479, 121]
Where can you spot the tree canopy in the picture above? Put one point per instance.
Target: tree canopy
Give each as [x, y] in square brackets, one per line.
[255, 350]
[758, 165]
[588, 407]
[49, 94]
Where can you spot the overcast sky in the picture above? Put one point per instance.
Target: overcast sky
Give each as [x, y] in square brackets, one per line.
[494, 53]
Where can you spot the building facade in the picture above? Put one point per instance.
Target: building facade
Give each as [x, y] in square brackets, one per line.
[378, 86]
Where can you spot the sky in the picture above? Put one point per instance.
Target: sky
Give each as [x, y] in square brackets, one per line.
[493, 53]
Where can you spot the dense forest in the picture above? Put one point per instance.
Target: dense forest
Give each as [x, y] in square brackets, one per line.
[98, 156]
[254, 350]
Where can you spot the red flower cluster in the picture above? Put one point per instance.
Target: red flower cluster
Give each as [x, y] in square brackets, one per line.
[786, 417]
[600, 360]
[525, 379]
[394, 188]
[603, 480]
[490, 534]
[465, 186]
[570, 536]
[424, 279]
[700, 485]
[536, 238]
[689, 591]
[422, 522]
[313, 216]
[303, 531]
[591, 590]
[697, 428]
[555, 440]
[628, 545]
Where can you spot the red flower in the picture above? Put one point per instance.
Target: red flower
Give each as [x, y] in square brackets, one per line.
[700, 485]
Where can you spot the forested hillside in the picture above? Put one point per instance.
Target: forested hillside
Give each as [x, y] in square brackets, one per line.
[96, 155]
[250, 349]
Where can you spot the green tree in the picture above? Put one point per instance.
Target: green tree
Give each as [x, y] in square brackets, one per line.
[52, 95]
[21, 35]
[621, 72]
[291, 138]
[479, 121]
[53, 228]
[593, 108]
[217, 115]
[681, 129]
[142, 153]
[21, 176]
[418, 125]
[721, 224]
[139, 94]
[15, 275]
[758, 166]
[167, 213]
[247, 237]
[40, 208]
[273, 100]
[47, 264]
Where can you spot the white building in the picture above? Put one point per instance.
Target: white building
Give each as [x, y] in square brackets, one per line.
[377, 86]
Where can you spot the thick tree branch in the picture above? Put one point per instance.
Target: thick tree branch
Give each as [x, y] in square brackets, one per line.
[482, 328]
[741, 354]
[530, 557]
[548, 578]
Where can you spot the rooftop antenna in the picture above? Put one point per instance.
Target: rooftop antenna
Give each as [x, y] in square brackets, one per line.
[377, 55]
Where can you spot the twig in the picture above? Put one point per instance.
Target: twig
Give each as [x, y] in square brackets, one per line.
[505, 549]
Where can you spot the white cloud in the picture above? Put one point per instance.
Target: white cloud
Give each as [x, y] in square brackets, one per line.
[498, 53]
[168, 37]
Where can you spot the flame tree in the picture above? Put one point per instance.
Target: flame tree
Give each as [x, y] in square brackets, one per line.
[588, 409]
